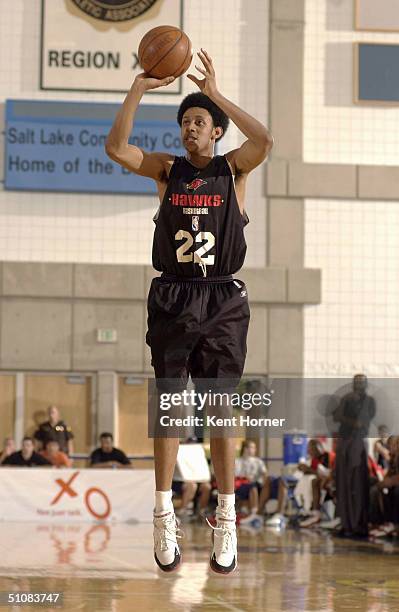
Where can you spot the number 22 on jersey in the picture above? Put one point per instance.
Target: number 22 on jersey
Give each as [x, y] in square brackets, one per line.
[199, 255]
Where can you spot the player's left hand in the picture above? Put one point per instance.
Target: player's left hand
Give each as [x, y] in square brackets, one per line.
[208, 84]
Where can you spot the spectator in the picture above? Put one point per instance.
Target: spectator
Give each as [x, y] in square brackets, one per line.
[26, 457]
[55, 428]
[107, 456]
[309, 484]
[381, 452]
[53, 454]
[376, 507]
[320, 468]
[250, 479]
[390, 485]
[354, 414]
[388, 489]
[8, 449]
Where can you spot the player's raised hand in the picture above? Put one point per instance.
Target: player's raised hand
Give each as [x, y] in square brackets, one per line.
[208, 84]
[146, 82]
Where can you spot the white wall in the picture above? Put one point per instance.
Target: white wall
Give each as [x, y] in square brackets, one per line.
[118, 228]
[355, 243]
[355, 329]
[336, 130]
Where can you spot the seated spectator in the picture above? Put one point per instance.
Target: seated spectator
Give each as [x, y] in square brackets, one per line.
[381, 451]
[53, 454]
[313, 483]
[107, 456]
[8, 449]
[321, 469]
[376, 509]
[388, 490]
[54, 428]
[26, 457]
[251, 481]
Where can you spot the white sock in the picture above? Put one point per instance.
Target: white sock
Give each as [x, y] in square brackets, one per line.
[226, 503]
[163, 501]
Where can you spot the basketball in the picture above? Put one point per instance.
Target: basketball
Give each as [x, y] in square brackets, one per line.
[165, 51]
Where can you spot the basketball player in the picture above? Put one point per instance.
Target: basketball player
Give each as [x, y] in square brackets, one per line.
[198, 314]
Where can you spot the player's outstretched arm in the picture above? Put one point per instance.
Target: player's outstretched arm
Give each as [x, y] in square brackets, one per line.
[117, 146]
[259, 140]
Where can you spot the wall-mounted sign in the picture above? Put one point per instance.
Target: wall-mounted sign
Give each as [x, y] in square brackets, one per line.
[114, 10]
[376, 73]
[91, 45]
[59, 146]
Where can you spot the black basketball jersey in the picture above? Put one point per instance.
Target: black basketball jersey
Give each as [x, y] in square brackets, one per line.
[199, 229]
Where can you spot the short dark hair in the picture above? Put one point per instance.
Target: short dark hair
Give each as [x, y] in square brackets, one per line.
[51, 438]
[27, 438]
[219, 118]
[106, 434]
[316, 445]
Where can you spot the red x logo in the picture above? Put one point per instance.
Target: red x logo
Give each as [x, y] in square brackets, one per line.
[65, 488]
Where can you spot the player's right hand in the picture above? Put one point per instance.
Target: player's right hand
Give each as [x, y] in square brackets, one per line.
[146, 82]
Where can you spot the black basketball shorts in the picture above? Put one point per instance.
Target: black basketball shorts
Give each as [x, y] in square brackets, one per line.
[197, 327]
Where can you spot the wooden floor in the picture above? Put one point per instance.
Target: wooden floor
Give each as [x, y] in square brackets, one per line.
[110, 568]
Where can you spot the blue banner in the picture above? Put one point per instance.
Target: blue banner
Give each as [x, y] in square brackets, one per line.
[59, 146]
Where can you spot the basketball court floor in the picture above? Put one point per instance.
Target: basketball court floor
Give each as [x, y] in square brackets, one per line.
[105, 567]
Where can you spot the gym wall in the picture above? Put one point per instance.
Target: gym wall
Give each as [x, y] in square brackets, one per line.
[355, 241]
[95, 228]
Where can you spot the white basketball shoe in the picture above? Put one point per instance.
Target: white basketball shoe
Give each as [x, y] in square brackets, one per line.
[224, 553]
[166, 532]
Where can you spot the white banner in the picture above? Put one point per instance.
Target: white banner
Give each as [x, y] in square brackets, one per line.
[91, 45]
[44, 494]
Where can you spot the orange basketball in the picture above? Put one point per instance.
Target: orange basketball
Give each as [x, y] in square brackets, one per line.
[165, 51]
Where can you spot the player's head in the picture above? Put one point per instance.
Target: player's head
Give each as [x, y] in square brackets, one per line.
[315, 448]
[9, 445]
[106, 441]
[52, 446]
[202, 122]
[27, 446]
[360, 383]
[248, 448]
[53, 413]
